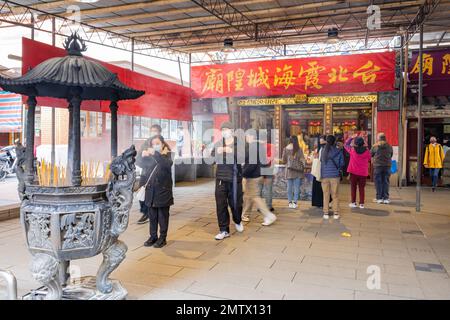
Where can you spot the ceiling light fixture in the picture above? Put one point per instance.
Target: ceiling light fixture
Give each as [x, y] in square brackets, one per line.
[333, 35]
[228, 46]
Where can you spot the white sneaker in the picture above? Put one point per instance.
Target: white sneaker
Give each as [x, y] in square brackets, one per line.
[379, 201]
[353, 205]
[245, 218]
[222, 235]
[294, 205]
[290, 204]
[386, 201]
[336, 216]
[239, 227]
[326, 216]
[269, 221]
[361, 206]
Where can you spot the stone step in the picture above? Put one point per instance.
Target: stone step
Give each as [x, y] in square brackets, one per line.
[11, 211]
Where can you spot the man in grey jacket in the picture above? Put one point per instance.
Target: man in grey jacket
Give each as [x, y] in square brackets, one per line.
[382, 159]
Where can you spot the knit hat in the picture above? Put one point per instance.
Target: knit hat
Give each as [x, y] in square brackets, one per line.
[227, 125]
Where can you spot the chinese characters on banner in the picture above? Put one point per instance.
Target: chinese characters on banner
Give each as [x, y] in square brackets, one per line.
[321, 75]
[436, 71]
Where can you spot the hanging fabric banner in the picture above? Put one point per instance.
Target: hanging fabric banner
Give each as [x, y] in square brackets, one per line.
[162, 99]
[371, 72]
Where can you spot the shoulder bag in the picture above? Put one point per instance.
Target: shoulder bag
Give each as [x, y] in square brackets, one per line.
[315, 168]
[140, 194]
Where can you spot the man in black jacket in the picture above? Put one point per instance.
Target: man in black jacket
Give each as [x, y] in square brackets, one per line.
[228, 192]
[253, 180]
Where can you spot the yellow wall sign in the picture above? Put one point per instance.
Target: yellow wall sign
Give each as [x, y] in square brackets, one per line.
[342, 99]
[302, 98]
[267, 102]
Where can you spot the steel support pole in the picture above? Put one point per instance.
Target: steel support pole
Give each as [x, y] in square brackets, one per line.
[132, 54]
[53, 155]
[401, 131]
[181, 73]
[405, 110]
[32, 26]
[419, 124]
[25, 127]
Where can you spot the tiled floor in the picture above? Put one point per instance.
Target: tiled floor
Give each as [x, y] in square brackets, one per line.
[299, 257]
[8, 191]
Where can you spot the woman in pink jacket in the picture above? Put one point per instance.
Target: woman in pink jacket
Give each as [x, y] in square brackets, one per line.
[358, 168]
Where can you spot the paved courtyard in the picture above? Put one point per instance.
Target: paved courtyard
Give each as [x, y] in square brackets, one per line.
[299, 257]
[8, 191]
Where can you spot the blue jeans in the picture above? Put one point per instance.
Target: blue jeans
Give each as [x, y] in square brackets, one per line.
[434, 174]
[382, 175]
[266, 190]
[295, 185]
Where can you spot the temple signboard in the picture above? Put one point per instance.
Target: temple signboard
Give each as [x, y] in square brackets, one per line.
[371, 72]
[435, 69]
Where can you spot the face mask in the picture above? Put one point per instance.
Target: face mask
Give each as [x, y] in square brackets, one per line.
[157, 147]
[154, 133]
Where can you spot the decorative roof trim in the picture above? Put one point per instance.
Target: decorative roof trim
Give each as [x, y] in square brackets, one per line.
[74, 45]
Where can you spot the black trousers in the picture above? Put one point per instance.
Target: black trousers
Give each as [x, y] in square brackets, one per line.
[143, 208]
[159, 216]
[224, 199]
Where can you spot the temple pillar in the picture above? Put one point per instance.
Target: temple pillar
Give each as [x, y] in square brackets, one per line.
[75, 101]
[113, 107]
[29, 151]
[70, 143]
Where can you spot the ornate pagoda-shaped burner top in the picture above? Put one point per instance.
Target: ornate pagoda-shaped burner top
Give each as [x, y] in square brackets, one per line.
[74, 45]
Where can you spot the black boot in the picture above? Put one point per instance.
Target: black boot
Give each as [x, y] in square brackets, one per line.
[150, 242]
[143, 219]
[160, 243]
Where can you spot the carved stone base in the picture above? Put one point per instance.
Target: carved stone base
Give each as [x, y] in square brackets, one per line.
[83, 288]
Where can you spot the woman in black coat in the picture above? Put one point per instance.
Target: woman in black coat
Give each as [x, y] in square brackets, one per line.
[158, 191]
[155, 130]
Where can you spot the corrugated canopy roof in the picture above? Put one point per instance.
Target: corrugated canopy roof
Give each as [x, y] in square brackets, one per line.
[202, 25]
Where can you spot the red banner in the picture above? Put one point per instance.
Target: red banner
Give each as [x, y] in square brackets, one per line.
[370, 72]
[387, 122]
[162, 99]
